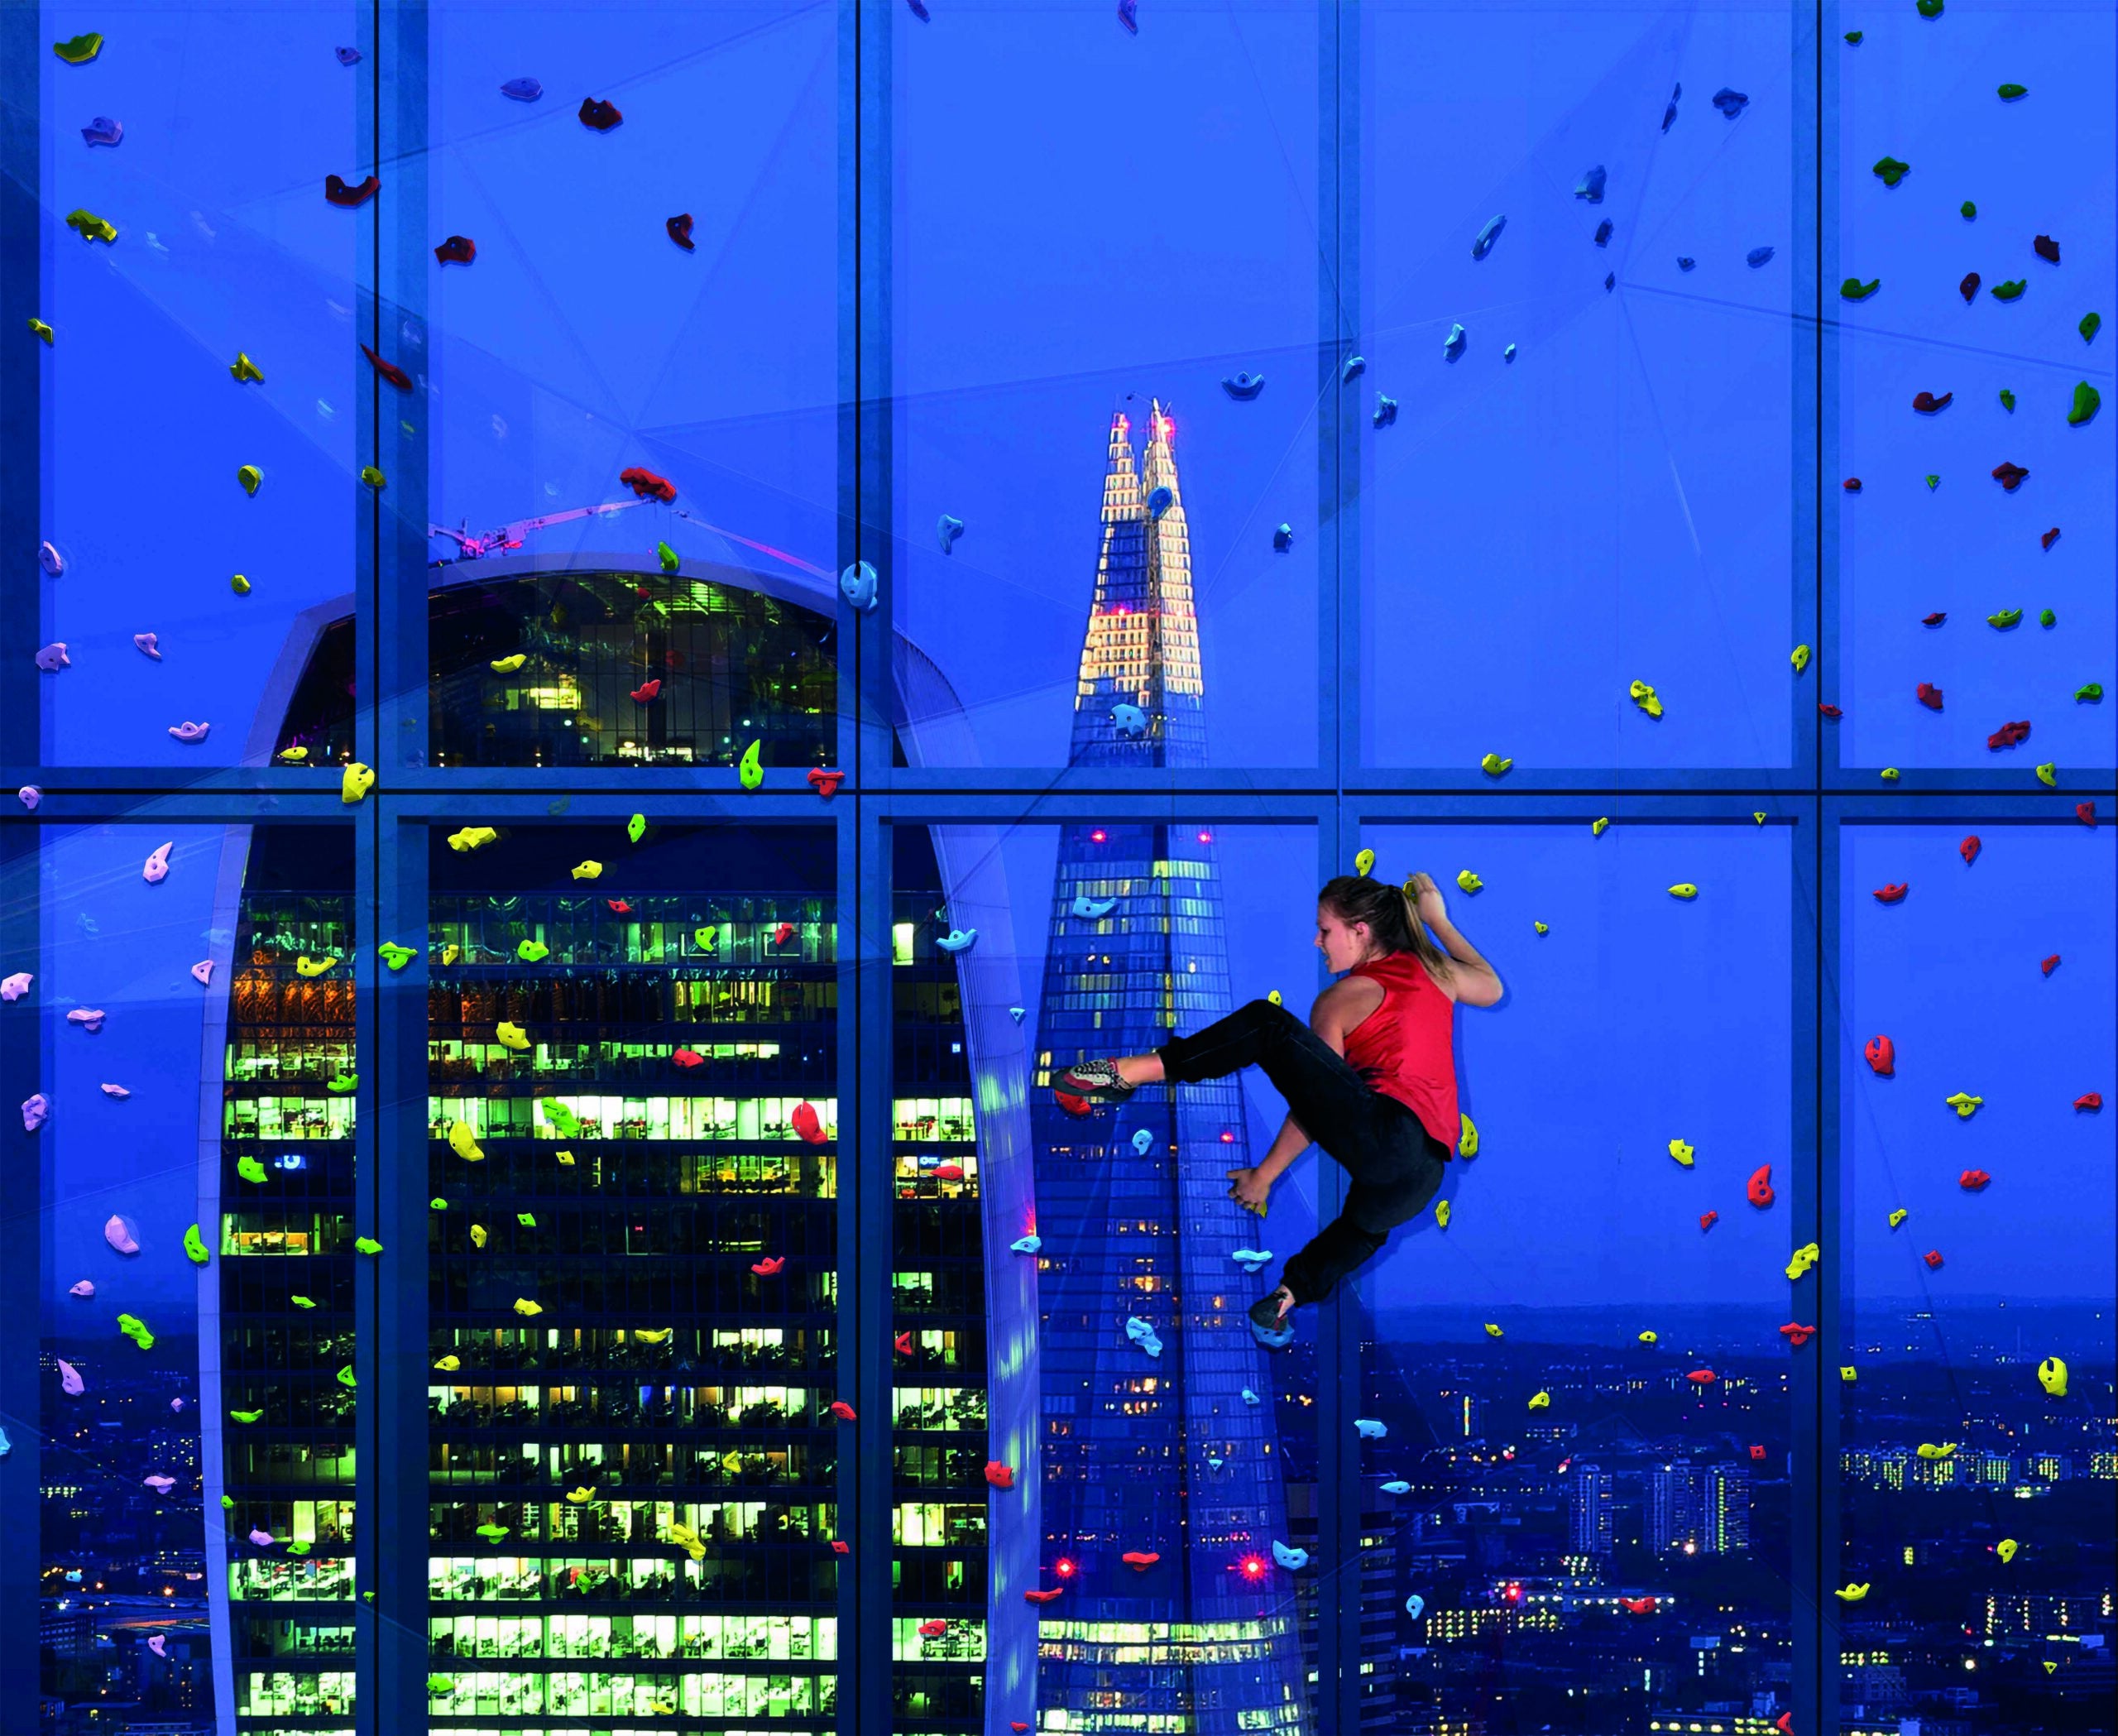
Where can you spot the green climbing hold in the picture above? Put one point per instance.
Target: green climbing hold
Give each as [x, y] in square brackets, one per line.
[371, 476]
[367, 1244]
[668, 555]
[2088, 401]
[80, 51]
[250, 476]
[703, 938]
[342, 1083]
[1853, 289]
[2094, 690]
[1969, 210]
[2007, 618]
[136, 1329]
[439, 1205]
[636, 827]
[2091, 324]
[1932, 483]
[1891, 170]
[298, 1547]
[395, 956]
[2007, 401]
[1854, 36]
[301, 1302]
[567, 1123]
[91, 227]
[751, 770]
[346, 1375]
[250, 1169]
[532, 952]
[2011, 290]
[440, 1684]
[243, 1416]
[227, 1503]
[2046, 618]
[491, 1531]
[194, 1247]
[528, 1219]
[1930, 8]
[2008, 93]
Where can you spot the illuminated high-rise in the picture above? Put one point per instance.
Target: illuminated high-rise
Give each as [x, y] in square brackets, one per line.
[1150, 1448]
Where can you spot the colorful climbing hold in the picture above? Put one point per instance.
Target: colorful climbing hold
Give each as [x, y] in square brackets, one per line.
[345, 198]
[2088, 401]
[80, 51]
[1853, 289]
[2011, 290]
[1890, 172]
[598, 114]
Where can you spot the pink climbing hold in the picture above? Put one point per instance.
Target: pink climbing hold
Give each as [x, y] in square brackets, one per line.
[89, 1018]
[202, 973]
[69, 1379]
[53, 657]
[157, 869]
[147, 642]
[84, 1289]
[119, 1235]
[36, 1108]
[114, 1090]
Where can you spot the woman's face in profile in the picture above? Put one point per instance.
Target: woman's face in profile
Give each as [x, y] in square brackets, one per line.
[1342, 947]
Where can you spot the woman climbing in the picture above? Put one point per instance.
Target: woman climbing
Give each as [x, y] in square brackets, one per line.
[1371, 1077]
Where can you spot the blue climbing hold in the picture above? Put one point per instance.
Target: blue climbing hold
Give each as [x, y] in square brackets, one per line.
[1355, 364]
[1293, 1560]
[1158, 502]
[1609, 278]
[1603, 233]
[949, 529]
[1273, 1338]
[1283, 539]
[957, 940]
[523, 90]
[1091, 909]
[1414, 1605]
[1590, 187]
[1396, 1486]
[1487, 237]
[1016, 1014]
[104, 130]
[1026, 1244]
[1143, 1142]
[1386, 411]
[1369, 1429]
[1730, 102]
[1509, 354]
[1757, 256]
[1684, 264]
[1129, 720]
[1249, 1397]
[1452, 345]
[1215, 1463]
[857, 585]
[348, 56]
[1244, 387]
[1253, 1260]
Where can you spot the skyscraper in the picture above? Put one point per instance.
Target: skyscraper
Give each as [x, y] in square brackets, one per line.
[1150, 1448]
[1589, 1501]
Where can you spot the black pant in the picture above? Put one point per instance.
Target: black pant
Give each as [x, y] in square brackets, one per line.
[1395, 1163]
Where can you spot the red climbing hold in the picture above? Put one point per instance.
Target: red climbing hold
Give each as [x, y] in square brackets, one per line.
[1797, 1335]
[1784, 1724]
[1000, 1475]
[1139, 1560]
[1701, 1376]
[2089, 1099]
[647, 691]
[2049, 538]
[805, 1122]
[596, 112]
[1893, 894]
[1638, 1605]
[1883, 1056]
[2047, 249]
[389, 371]
[2009, 734]
[1934, 619]
[839, 1548]
[1929, 695]
[686, 1058]
[1972, 1179]
[825, 783]
[2049, 964]
[1761, 1186]
[932, 1630]
[903, 1342]
[1968, 288]
[1852, 485]
[680, 231]
[1043, 1597]
[646, 484]
[2008, 476]
[843, 1411]
[336, 190]
[1077, 1107]
[782, 934]
[2085, 812]
[1707, 1219]
[1932, 1257]
[1968, 849]
[770, 1267]
[1927, 404]
[458, 250]
[1830, 711]
[618, 907]
[948, 1172]
[1016, 1724]
[1756, 1451]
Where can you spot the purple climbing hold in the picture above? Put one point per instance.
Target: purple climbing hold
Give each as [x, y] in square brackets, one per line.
[35, 1110]
[523, 90]
[51, 559]
[147, 643]
[102, 131]
[53, 656]
[349, 56]
[29, 795]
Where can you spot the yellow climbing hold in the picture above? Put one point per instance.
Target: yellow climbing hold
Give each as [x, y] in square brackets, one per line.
[41, 328]
[527, 1309]
[478, 1235]
[471, 837]
[1540, 927]
[294, 755]
[370, 475]
[1363, 861]
[1965, 1105]
[355, 782]
[449, 1365]
[91, 227]
[1681, 1152]
[464, 1143]
[565, 1158]
[1441, 1214]
[1759, 817]
[587, 871]
[655, 1335]
[1891, 773]
[1596, 828]
[451, 952]
[1493, 766]
[1467, 880]
[1930, 1450]
[1467, 1137]
[1801, 658]
[511, 1036]
[2052, 1376]
[1491, 1330]
[241, 587]
[2048, 773]
[306, 966]
[2006, 1549]
[1851, 1593]
[1643, 696]
[751, 770]
[1541, 1401]
[1684, 889]
[509, 666]
[1650, 1337]
[243, 368]
[1274, 997]
[250, 476]
[1805, 1256]
[1897, 1217]
[1846, 1372]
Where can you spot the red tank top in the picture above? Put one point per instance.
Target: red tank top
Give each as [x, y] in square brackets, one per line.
[1404, 1048]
